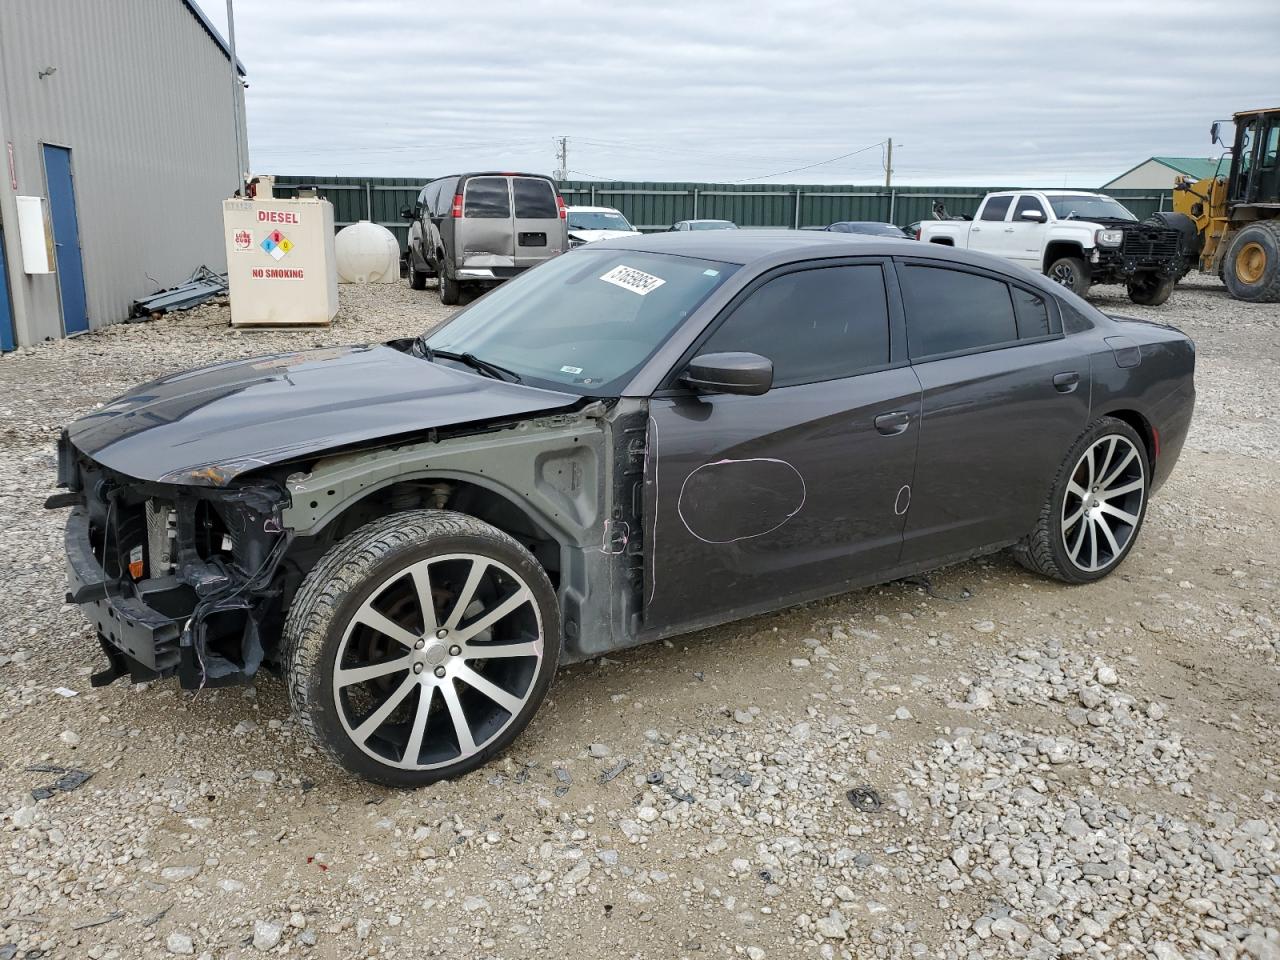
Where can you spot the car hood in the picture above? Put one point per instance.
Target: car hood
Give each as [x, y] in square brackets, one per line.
[588, 236]
[208, 425]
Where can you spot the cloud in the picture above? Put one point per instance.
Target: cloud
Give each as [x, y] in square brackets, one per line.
[1001, 92]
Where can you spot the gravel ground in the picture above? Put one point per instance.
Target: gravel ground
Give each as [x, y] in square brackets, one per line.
[1058, 771]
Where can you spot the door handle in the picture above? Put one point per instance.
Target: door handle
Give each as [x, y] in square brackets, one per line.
[1008, 229]
[1066, 382]
[975, 230]
[892, 424]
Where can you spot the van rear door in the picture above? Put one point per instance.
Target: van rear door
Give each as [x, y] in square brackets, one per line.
[485, 236]
[540, 233]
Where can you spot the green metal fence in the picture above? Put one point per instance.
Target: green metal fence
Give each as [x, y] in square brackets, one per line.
[655, 205]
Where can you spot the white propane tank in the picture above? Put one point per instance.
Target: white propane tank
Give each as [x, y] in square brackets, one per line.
[367, 253]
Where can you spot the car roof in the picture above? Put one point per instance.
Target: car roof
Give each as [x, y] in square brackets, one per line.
[706, 220]
[1060, 193]
[764, 249]
[865, 223]
[577, 209]
[493, 173]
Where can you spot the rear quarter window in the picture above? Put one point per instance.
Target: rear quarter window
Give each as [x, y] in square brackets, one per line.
[535, 200]
[487, 198]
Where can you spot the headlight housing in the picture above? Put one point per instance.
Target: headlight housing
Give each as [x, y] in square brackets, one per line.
[1110, 238]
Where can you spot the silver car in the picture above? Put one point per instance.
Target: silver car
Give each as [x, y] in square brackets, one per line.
[478, 229]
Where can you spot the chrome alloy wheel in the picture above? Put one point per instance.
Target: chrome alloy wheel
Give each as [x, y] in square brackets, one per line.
[1103, 503]
[437, 661]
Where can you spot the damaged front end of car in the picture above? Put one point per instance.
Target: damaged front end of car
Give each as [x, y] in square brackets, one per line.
[177, 578]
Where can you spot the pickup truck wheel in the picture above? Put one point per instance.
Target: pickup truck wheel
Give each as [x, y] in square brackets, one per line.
[450, 289]
[1251, 267]
[420, 646]
[1095, 508]
[1151, 291]
[1072, 273]
[417, 280]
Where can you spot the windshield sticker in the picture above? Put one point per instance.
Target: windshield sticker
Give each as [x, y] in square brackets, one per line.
[568, 369]
[629, 278]
[711, 273]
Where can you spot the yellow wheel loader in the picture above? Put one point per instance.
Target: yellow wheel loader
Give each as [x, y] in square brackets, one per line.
[1231, 223]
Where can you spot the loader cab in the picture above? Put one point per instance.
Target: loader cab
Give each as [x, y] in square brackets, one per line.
[1255, 161]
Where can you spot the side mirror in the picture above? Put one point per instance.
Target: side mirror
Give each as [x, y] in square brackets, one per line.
[1214, 131]
[406, 213]
[745, 373]
[1036, 215]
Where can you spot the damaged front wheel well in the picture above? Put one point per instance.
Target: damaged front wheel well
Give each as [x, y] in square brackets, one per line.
[438, 493]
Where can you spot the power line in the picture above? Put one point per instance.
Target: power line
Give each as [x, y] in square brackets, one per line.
[843, 156]
[593, 176]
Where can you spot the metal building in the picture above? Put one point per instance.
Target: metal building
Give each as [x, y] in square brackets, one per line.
[119, 116]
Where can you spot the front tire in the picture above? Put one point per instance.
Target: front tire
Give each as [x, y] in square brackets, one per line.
[1151, 291]
[417, 280]
[421, 646]
[1095, 509]
[1072, 273]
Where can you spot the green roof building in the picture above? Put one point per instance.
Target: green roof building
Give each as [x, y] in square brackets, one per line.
[1159, 173]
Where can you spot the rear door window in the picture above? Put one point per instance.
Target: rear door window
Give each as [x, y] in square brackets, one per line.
[996, 207]
[487, 198]
[950, 311]
[535, 200]
[814, 325]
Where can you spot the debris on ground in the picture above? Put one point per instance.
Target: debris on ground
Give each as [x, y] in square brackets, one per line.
[69, 778]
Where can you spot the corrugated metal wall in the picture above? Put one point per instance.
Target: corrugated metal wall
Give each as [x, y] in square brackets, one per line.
[142, 97]
[653, 205]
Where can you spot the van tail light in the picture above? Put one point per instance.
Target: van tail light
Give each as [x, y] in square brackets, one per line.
[456, 212]
[564, 211]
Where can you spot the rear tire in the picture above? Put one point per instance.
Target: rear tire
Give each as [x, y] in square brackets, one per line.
[1151, 291]
[450, 289]
[420, 646]
[1251, 267]
[1095, 507]
[1072, 273]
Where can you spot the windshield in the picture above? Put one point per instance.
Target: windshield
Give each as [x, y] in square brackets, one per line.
[1088, 208]
[597, 220]
[585, 320]
[712, 225]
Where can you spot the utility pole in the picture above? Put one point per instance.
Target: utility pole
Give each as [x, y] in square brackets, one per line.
[562, 172]
[237, 90]
[888, 162]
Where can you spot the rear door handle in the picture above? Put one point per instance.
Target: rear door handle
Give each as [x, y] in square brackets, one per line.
[1066, 382]
[892, 424]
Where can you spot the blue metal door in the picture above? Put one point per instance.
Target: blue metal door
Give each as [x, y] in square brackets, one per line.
[66, 238]
[6, 317]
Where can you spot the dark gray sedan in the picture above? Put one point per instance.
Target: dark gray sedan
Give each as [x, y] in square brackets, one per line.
[639, 438]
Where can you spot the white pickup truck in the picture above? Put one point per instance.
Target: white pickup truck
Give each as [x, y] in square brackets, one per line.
[1077, 239]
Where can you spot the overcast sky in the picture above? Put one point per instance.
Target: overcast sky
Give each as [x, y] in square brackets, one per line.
[1010, 92]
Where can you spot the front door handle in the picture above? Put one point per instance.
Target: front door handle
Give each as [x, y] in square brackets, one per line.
[892, 424]
[1008, 229]
[1066, 382]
